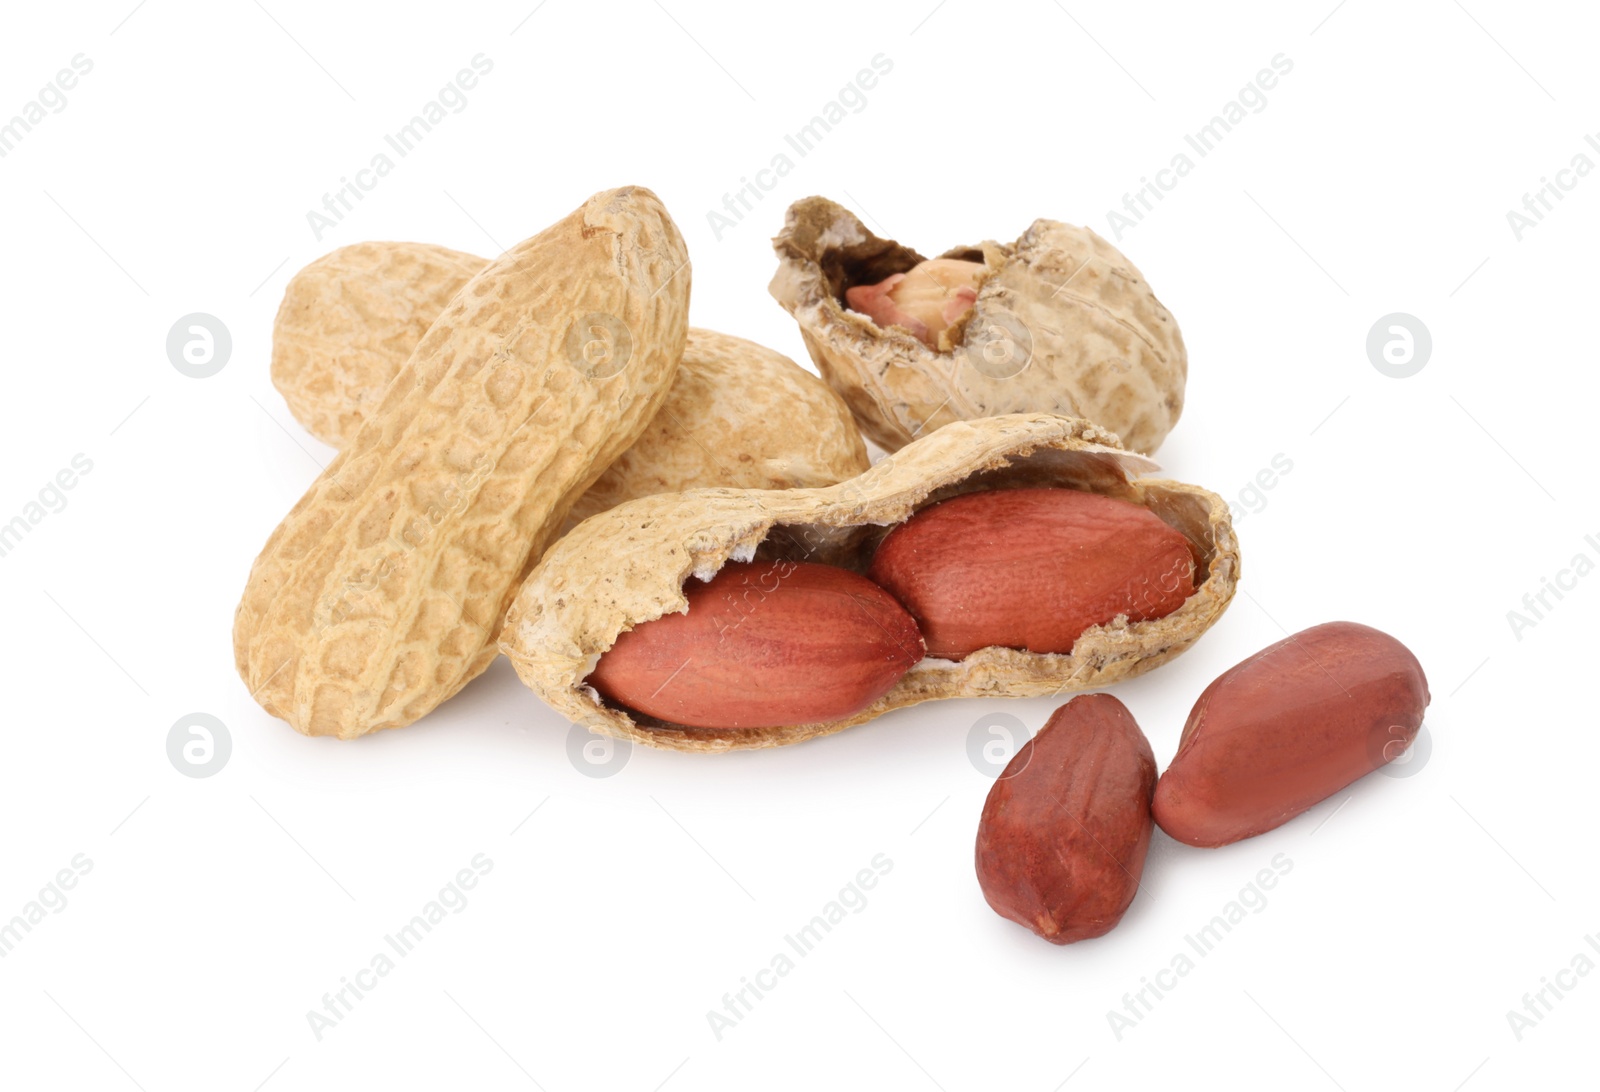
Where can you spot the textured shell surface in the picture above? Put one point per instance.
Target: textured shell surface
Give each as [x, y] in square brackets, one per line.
[382, 592]
[1064, 323]
[348, 323]
[629, 565]
[738, 415]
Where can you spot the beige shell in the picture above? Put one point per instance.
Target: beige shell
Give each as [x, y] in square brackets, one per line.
[382, 592]
[738, 415]
[348, 323]
[1063, 323]
[627, 566]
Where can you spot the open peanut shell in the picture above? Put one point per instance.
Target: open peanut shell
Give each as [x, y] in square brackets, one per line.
[628, 566]
[1063, 323]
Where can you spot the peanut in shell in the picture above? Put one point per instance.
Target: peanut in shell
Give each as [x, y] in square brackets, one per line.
[629, 565]
[738, 415]
[1063, 323]
[382, 592]
[348, 323]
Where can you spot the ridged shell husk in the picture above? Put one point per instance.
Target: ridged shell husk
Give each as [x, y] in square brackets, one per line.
[382, 592]
[1064, 323]
[737, 416]
[628, 566]
[348, 323]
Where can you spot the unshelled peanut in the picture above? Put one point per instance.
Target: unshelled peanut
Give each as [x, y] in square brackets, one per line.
[382, 592]
[350, 320]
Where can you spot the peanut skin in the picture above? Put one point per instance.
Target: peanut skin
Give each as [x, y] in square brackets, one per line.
[763, 645]
[1031, 568]
[1288, 728]
[1065, 829]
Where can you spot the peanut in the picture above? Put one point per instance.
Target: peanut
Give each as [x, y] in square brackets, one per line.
[1065, 829]
[764, 645]
[1287, 728]
[382, 592]
[927, 300]
[1031, 569]
[737, 416]
[1062, 322]
[628, 566]
[349, 321]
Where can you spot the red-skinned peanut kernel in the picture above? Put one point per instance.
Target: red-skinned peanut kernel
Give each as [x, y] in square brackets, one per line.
[1287, 728]
[1031, 568]
[1065, 829]
[764, 644]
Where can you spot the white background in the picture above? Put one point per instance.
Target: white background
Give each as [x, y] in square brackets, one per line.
[620, 910]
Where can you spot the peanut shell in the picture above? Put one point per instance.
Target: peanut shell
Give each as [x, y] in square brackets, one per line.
[1063, 323]
[629, 565]
[349, 321]
[738, 416]
[382, 592]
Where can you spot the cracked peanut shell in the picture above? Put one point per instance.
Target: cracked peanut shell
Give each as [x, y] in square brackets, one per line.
[382, 592]
[629, 565]
[1063, 323]
[349, 321]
